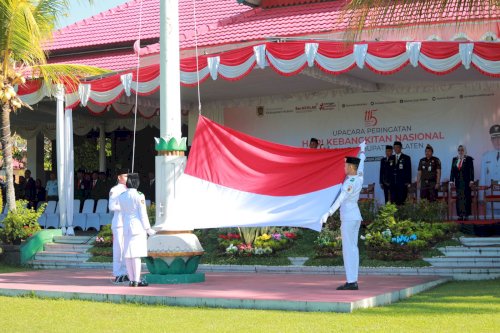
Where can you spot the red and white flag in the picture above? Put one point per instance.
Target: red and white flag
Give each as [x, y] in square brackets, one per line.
[232, 179]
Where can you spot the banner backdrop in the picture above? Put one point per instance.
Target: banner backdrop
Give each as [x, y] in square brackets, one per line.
[443, 120]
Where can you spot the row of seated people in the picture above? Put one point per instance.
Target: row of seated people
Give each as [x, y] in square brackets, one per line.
[93, 215]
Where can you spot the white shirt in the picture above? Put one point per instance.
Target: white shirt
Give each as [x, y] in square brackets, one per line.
[51, 188]
[134, 212]
[490, 168]
[349, 195]
[114, 205]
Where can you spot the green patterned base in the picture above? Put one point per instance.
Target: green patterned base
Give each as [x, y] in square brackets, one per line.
[175, 278]
[177, 266]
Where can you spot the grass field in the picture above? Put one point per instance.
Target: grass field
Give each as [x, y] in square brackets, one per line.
[453, 307]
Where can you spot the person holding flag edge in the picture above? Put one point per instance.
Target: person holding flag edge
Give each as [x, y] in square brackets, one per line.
[350, 216]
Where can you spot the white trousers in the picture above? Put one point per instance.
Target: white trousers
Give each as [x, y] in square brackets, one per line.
[118, 247]
[133, 269]
[350, 251]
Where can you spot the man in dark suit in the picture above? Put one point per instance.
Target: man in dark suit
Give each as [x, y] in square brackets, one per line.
[401, 175]
[99, 188]
[386, 172]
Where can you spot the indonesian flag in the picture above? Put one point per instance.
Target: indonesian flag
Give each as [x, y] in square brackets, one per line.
[235, 180]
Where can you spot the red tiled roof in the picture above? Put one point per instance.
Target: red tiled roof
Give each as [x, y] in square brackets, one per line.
[221, 22]
[112, 60]
[120, 25]
[281, 3]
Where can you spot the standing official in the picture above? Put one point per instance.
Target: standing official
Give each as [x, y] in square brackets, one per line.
[136, 227]
[429, 175]
[490, 165]
[462, 176]
[386, 173]
[401, 175]
[350, 217]
[119, 269]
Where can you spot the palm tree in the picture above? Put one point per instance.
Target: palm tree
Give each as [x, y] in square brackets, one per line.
[362, 14]
[25, 27]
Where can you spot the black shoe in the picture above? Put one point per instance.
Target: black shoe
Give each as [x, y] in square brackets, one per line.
[143, 283]
[118, 280]
[125, 278]
[349, 286]
[133, 284]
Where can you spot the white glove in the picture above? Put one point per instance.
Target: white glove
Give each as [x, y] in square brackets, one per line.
[151, 232]
[362, 145]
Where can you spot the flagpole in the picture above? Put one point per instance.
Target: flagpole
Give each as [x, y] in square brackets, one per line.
[170, 244]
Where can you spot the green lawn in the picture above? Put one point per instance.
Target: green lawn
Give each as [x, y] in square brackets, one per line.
[453, 307]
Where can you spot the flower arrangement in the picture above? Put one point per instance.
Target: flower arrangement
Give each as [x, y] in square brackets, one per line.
[265, 244]
[390, 239]
[21, 225]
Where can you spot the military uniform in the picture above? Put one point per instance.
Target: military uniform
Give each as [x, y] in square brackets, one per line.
[136, 227]
[350, 217]
[386, 171]
[119, 268]
[428, 168]
[401, 178]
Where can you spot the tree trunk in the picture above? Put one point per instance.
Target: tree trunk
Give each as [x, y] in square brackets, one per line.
[7, 157]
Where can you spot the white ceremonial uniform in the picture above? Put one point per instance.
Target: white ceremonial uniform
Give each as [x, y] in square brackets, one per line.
[490, 167]
[490, 170]
[119, 268]
[350, 216]
[135, 229]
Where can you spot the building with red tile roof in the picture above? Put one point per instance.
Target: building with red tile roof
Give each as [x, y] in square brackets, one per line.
[107, 39]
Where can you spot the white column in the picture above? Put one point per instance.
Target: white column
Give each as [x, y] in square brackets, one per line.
[170, 108]
[61, 165]
[69, 170]
[35, 157]
[102, 149]
[170, 76]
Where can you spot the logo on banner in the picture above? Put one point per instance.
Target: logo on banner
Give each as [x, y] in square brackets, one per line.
[370, 119]
[327, 106]
[260, 111]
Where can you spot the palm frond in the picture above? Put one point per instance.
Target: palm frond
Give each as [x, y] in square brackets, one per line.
[68, 74]
[374, 14]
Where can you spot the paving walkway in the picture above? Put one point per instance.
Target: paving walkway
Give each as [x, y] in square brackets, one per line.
[299, 292]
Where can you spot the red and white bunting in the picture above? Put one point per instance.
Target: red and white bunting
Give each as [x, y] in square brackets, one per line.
[287, 58]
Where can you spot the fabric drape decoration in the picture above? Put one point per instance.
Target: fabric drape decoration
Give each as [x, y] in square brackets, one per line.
[286, 58]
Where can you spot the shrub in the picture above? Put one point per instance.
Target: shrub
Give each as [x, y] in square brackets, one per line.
[104, 237]
[20, 225]
[328, 243]
[423, 211]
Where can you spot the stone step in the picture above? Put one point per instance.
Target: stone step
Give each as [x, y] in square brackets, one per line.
[58, 247]
[466, 251]
[64, 256]
[61, 264]
[74, 239]
[473, 262]
[480, 241]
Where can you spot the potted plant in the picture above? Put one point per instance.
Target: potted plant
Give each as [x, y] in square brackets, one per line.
[18, 227]
[21, 225]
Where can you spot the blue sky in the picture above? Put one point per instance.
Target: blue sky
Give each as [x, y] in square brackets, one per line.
[81, 9]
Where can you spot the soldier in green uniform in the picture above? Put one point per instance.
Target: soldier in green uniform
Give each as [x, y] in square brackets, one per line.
[429, 175]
